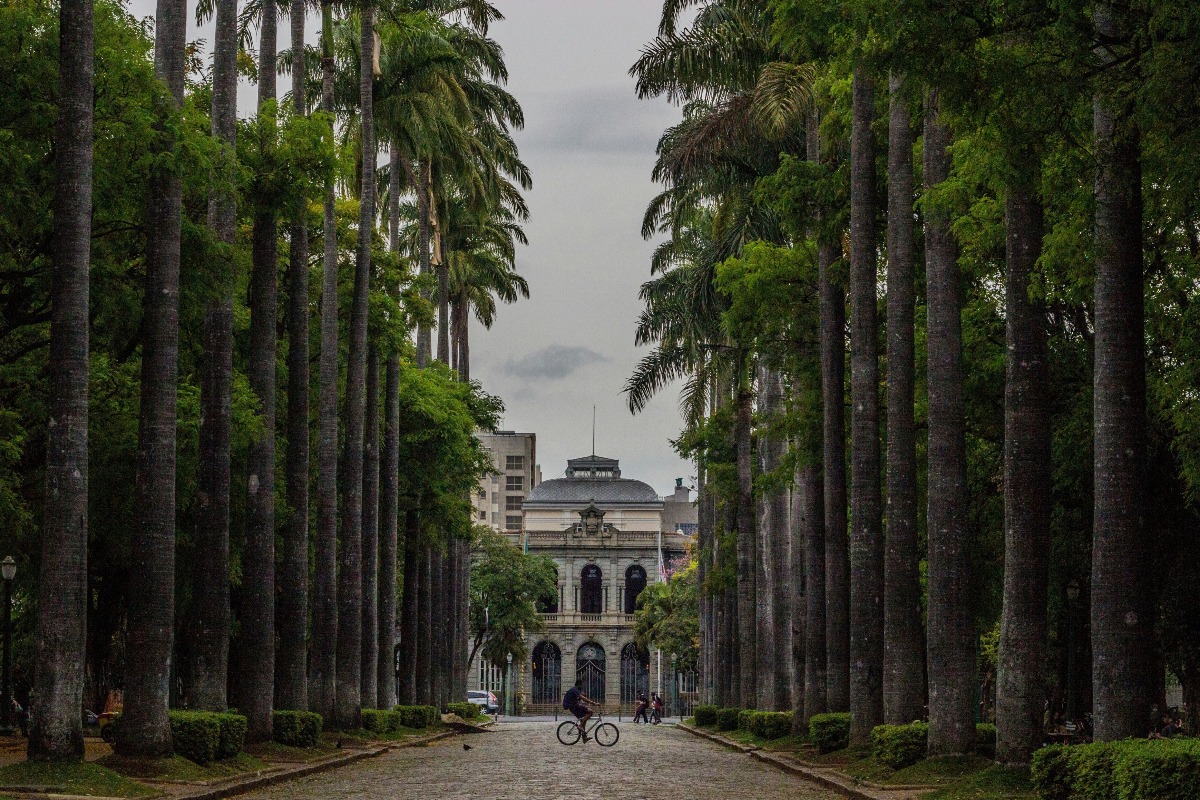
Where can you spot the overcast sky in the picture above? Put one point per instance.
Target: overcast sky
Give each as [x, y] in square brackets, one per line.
[589, 143]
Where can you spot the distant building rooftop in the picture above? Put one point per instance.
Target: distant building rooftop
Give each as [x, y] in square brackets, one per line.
[592, 478]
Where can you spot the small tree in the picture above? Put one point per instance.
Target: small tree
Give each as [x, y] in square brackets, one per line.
[505, 587]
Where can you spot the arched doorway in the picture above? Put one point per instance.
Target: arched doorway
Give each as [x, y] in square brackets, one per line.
[635, 673]
[547, 673]
[635, 582]
[589, 668]
[591, 590]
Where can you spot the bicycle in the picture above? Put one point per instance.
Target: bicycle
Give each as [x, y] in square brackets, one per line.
[605, 733]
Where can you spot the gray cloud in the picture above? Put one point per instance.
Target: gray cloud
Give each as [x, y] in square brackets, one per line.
[553, 363]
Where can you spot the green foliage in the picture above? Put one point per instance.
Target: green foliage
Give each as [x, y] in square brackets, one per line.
[727, 718]
[296, 728]
[465, 710]
[668, 616]
[378, 720]
[1134, 769]
[417, 716]
[771, 724]
[506, 585]
[233, 734]
[744, 716]
[829, 732]
[706, 715]
[196, 735]
[898, 746]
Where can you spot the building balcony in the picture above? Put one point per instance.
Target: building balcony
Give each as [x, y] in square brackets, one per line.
[615, 538]
[565, 618]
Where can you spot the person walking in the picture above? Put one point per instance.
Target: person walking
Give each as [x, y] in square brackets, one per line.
[657, 708]
[640, 714]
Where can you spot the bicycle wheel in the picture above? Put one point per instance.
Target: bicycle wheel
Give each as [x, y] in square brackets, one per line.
[568, 732]
[606, 734]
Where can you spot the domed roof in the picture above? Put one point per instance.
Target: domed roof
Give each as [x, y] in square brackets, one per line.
[591, 479]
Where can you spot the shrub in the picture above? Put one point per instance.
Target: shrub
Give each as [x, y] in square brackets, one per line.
[829, 732]
[706, 716]
[771, 724]
[1092, 771]
[1135, 769]
[985, 739]
[743, 723]
[296, 728]
[417, 716]
[899, 746]
[727, 719]
[233, 734]
[1050, 772]
[196, 735]
[464, 710]
[378, 720]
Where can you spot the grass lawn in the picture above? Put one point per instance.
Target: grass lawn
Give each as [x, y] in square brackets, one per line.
[85, 779]
[274, 751]
[178, 768]
[785, 744]
[993, 783]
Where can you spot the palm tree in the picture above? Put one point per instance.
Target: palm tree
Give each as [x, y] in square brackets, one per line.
[1122, 610]
[254, 686]
[866, 538]
[389, 464]
[903, 655]
[1020, 690]
[292, 623]
[777, 543]
[370, 535]
[323, 658]
[951, 643]
[57, 732]
[210, 621]
[145, 729]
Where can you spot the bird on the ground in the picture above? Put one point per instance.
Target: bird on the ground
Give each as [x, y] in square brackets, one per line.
[466, 747]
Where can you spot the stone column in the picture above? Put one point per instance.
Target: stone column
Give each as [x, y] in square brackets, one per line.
[612, 674]
[568, 570]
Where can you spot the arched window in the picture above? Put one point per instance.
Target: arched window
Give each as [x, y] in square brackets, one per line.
[589, 668]
[591, 590]
[635, 582]
[549, 603]
[635, 674]
[547, 673]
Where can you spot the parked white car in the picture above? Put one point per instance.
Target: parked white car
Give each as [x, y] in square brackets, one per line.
[485, 699]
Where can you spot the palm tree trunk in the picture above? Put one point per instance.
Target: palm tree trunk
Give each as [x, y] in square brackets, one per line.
[210, 618]
[904, 639]
[389, 465]
[747, 550]
[423, 191]
[409, 610]
[703, 567]
[347, 705]
[370, 535]
[57, 732]
[866, 539]
[323, 657]
[783, 585]
[1020, 689]
[291, 690]
[951, 629]
[150, 626]
[1122, 610]
[425, 620]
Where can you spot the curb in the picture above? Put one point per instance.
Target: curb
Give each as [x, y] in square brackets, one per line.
[835, 782]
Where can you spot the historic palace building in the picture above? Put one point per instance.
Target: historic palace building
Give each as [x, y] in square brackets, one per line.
[607, 536]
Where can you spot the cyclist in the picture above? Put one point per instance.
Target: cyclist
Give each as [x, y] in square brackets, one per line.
[574, 701]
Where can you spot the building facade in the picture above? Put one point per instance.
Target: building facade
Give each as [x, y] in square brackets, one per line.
[607, 537]
[499, 497]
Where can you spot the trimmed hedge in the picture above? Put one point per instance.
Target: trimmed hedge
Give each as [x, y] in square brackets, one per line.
[899, 746]
[706, 716]
[985, 739]
[464, 710]
[196, 735]
[233, 734]
[1134, 769]
[744, 719]
[296, 728]
[771, 724]
[829, 732]
[727, 719]
[417, 716]
[379, 721]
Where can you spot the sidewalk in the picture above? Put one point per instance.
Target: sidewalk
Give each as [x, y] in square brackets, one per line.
[823, 776]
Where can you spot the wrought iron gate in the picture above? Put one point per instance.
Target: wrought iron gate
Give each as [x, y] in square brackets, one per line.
[547, 674]
[635, 674]
[589, 668]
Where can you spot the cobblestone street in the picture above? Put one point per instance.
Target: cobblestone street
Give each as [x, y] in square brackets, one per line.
[524, 760]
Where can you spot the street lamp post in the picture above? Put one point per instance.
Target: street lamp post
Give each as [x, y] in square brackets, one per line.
[508, 687]
[1072, 599]
[8, 568]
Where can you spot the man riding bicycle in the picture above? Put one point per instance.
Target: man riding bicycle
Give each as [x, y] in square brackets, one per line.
[574, 701]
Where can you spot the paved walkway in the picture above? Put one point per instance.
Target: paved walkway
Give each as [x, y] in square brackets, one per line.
[521, 760]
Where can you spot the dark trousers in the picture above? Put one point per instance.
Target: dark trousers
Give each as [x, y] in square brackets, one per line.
[641, 715]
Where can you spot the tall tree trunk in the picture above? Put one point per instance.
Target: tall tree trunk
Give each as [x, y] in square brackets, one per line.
[866, 538]
[704, 540]
[421, 183]
[150, 626]
[1122, 609]
[425, 621]
[255, 681]
[951, 629]
[904, 645]
[210, 616]
[1020, 689]
[409, 609]
[347, 705]
[747, 550]
[291, 687]
[323, 657]
[370, 540]
[797, 602]
[57, 732]
[765, 566]
[785, 581]
[389, 465]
